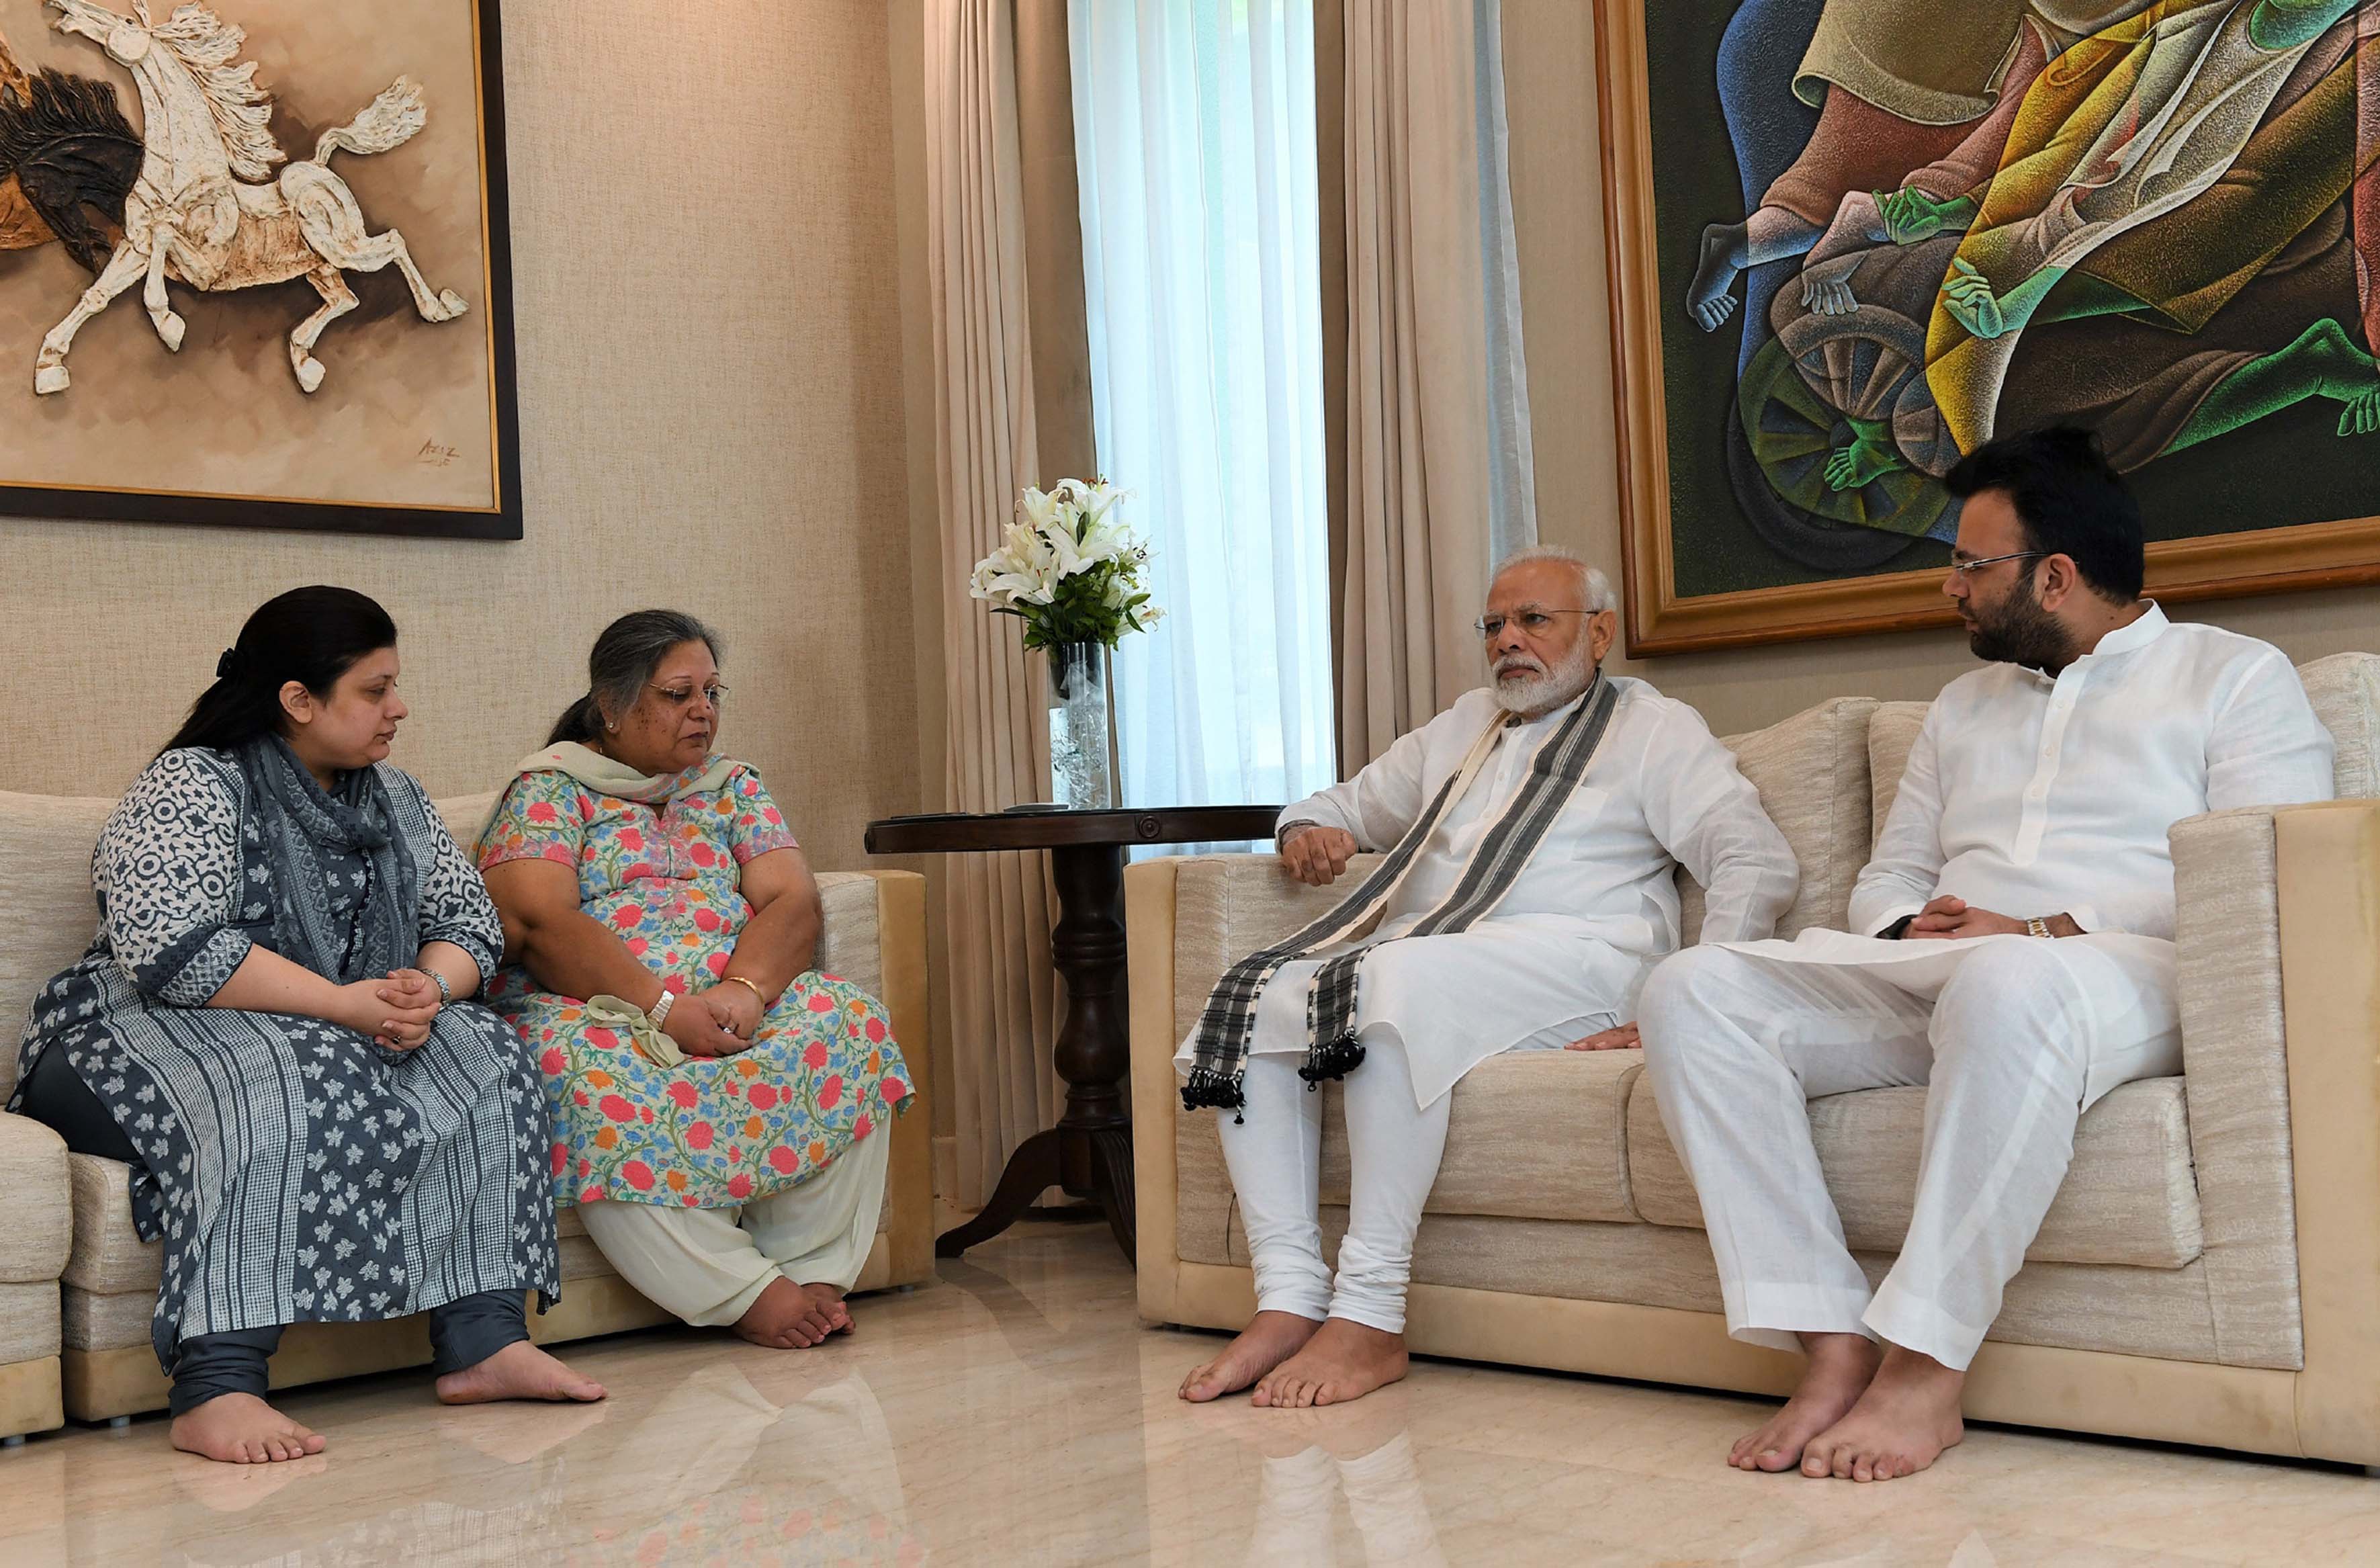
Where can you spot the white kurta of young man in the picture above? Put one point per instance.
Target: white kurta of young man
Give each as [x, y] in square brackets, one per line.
[1566, 949]
[2026, 796]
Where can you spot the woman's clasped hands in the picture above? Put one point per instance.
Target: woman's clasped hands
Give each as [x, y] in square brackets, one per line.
[396, 1011]
[718, 1021]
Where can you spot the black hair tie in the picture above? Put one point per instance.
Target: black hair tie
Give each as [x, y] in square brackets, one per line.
[227, 665]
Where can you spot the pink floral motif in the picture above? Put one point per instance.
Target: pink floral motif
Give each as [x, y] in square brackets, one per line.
[713, 1132]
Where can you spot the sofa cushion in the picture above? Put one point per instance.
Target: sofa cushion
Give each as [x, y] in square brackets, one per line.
[1891, 734]
[46, 901]
[34, 1243]
[2130, 1196]
[1537, 1134]
[2345, 691]
[1811, 770]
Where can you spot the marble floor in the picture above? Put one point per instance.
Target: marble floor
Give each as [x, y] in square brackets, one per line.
[1016, 1412]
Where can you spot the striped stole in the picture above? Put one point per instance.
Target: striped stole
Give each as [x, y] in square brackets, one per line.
[1228, 1023]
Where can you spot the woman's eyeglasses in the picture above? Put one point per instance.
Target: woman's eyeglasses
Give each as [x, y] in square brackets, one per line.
[679, 696]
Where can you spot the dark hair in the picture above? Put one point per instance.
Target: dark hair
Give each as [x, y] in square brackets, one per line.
[622, 661]
[311, 636]
[2070, 501]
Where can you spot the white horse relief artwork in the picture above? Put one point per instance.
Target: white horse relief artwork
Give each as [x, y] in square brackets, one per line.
[255, 265]
[208, 210]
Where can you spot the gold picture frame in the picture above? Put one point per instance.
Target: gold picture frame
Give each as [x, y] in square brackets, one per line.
[1660, 619]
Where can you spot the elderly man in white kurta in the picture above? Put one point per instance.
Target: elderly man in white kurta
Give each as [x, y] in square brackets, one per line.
[2010, 946]
[1533, 832]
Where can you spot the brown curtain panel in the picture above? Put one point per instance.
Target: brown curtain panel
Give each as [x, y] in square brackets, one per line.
[1004, 1007]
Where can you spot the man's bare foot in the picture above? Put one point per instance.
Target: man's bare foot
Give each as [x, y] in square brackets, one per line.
[787, 1317]
[1341, 1362]
[520, 1370]
[1909, 1415]
[240, 1429]
[1840, 1368]
[1269, 1339]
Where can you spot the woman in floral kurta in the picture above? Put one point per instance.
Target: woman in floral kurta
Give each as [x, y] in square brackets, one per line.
[652, 892]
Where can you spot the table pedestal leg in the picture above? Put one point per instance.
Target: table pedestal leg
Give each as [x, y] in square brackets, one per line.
[1088, 1153]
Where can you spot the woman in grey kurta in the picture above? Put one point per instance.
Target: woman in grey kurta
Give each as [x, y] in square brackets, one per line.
[272, 1027]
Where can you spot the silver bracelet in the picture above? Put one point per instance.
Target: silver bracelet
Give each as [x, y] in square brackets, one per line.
[659, 1011]
[446, 991]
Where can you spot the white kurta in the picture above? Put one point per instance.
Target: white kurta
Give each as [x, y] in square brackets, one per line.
[1567, 949]
[2024, 796]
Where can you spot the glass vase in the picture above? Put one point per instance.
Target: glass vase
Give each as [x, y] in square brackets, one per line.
[1082, 727]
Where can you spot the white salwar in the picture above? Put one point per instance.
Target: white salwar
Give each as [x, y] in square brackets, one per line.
[710, 1265]
[2025, 795]
[1562, 955]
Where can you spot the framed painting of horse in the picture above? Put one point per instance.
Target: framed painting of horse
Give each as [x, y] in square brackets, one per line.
[1852, 240]
[254, 266]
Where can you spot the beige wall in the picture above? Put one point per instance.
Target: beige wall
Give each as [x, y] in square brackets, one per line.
[711, 393]
[1557, 199]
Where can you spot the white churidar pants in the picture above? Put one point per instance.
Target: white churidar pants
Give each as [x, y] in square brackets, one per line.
[1274, 1150]
[710, 1265]
[2016, 1037]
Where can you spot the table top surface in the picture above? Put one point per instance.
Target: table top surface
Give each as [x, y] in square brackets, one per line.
[960, 831]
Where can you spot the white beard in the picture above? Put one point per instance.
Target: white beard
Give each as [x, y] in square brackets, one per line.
[1545, 690]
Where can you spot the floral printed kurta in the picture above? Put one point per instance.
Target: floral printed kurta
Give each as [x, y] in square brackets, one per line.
[711, 1133]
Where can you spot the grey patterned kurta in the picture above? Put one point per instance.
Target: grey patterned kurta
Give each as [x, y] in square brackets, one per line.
[296, 1171]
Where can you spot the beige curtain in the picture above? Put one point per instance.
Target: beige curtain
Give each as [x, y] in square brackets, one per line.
[1425, 459]
[1001, 990]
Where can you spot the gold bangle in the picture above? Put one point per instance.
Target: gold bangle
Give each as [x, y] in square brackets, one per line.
[748, 985]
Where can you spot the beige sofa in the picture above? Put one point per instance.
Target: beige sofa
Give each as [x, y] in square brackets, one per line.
[74, 1317]
[2209, 1274]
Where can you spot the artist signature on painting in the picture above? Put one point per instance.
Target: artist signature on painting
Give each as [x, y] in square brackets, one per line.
[434, 455]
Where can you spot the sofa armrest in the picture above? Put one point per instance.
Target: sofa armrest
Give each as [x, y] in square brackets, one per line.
[2235, 1054]
[40, 1231]
[874, 935]
[2327, 860]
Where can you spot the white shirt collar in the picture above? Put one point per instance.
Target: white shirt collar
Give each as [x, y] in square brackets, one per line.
[2140, 633]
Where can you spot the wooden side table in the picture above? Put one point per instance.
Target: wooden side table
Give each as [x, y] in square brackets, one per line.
[1088, 1153]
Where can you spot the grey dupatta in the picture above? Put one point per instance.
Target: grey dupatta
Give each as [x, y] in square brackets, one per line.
[1228, 1023]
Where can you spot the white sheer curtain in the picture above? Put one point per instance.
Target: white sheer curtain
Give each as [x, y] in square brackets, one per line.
[1194, 135]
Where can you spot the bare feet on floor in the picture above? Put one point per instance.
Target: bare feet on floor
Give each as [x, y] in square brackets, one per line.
[240, 1429]
[1344, 1360]
[1269, 1339]
[520, 1370]
[792, 1316]
[1909, 1415]
[1840, 1368]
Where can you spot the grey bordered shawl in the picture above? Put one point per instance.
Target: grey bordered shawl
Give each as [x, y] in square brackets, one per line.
[1228, 1023]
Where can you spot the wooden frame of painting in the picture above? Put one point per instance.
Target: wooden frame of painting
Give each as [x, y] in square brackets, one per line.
[2300, 462]
[382, 120]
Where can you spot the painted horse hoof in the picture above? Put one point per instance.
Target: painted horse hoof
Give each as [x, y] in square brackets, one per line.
[170, 328]
[309, 374]
[50, 378]
[454, 303]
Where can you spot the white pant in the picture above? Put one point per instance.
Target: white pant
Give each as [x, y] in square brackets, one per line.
[1273, 1146]
[2018, 1040]
[710, 1265]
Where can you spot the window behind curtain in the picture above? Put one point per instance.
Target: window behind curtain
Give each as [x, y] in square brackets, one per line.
[1194, 141]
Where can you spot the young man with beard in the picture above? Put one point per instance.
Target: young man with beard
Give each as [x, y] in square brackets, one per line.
[2011, 946]
[1531, 835]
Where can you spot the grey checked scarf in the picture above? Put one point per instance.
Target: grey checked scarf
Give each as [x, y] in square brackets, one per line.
[1228, 1023]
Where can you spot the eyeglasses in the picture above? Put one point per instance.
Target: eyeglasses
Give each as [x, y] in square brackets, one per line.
[679, 696]
[1533, 622]
[1969, 568]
